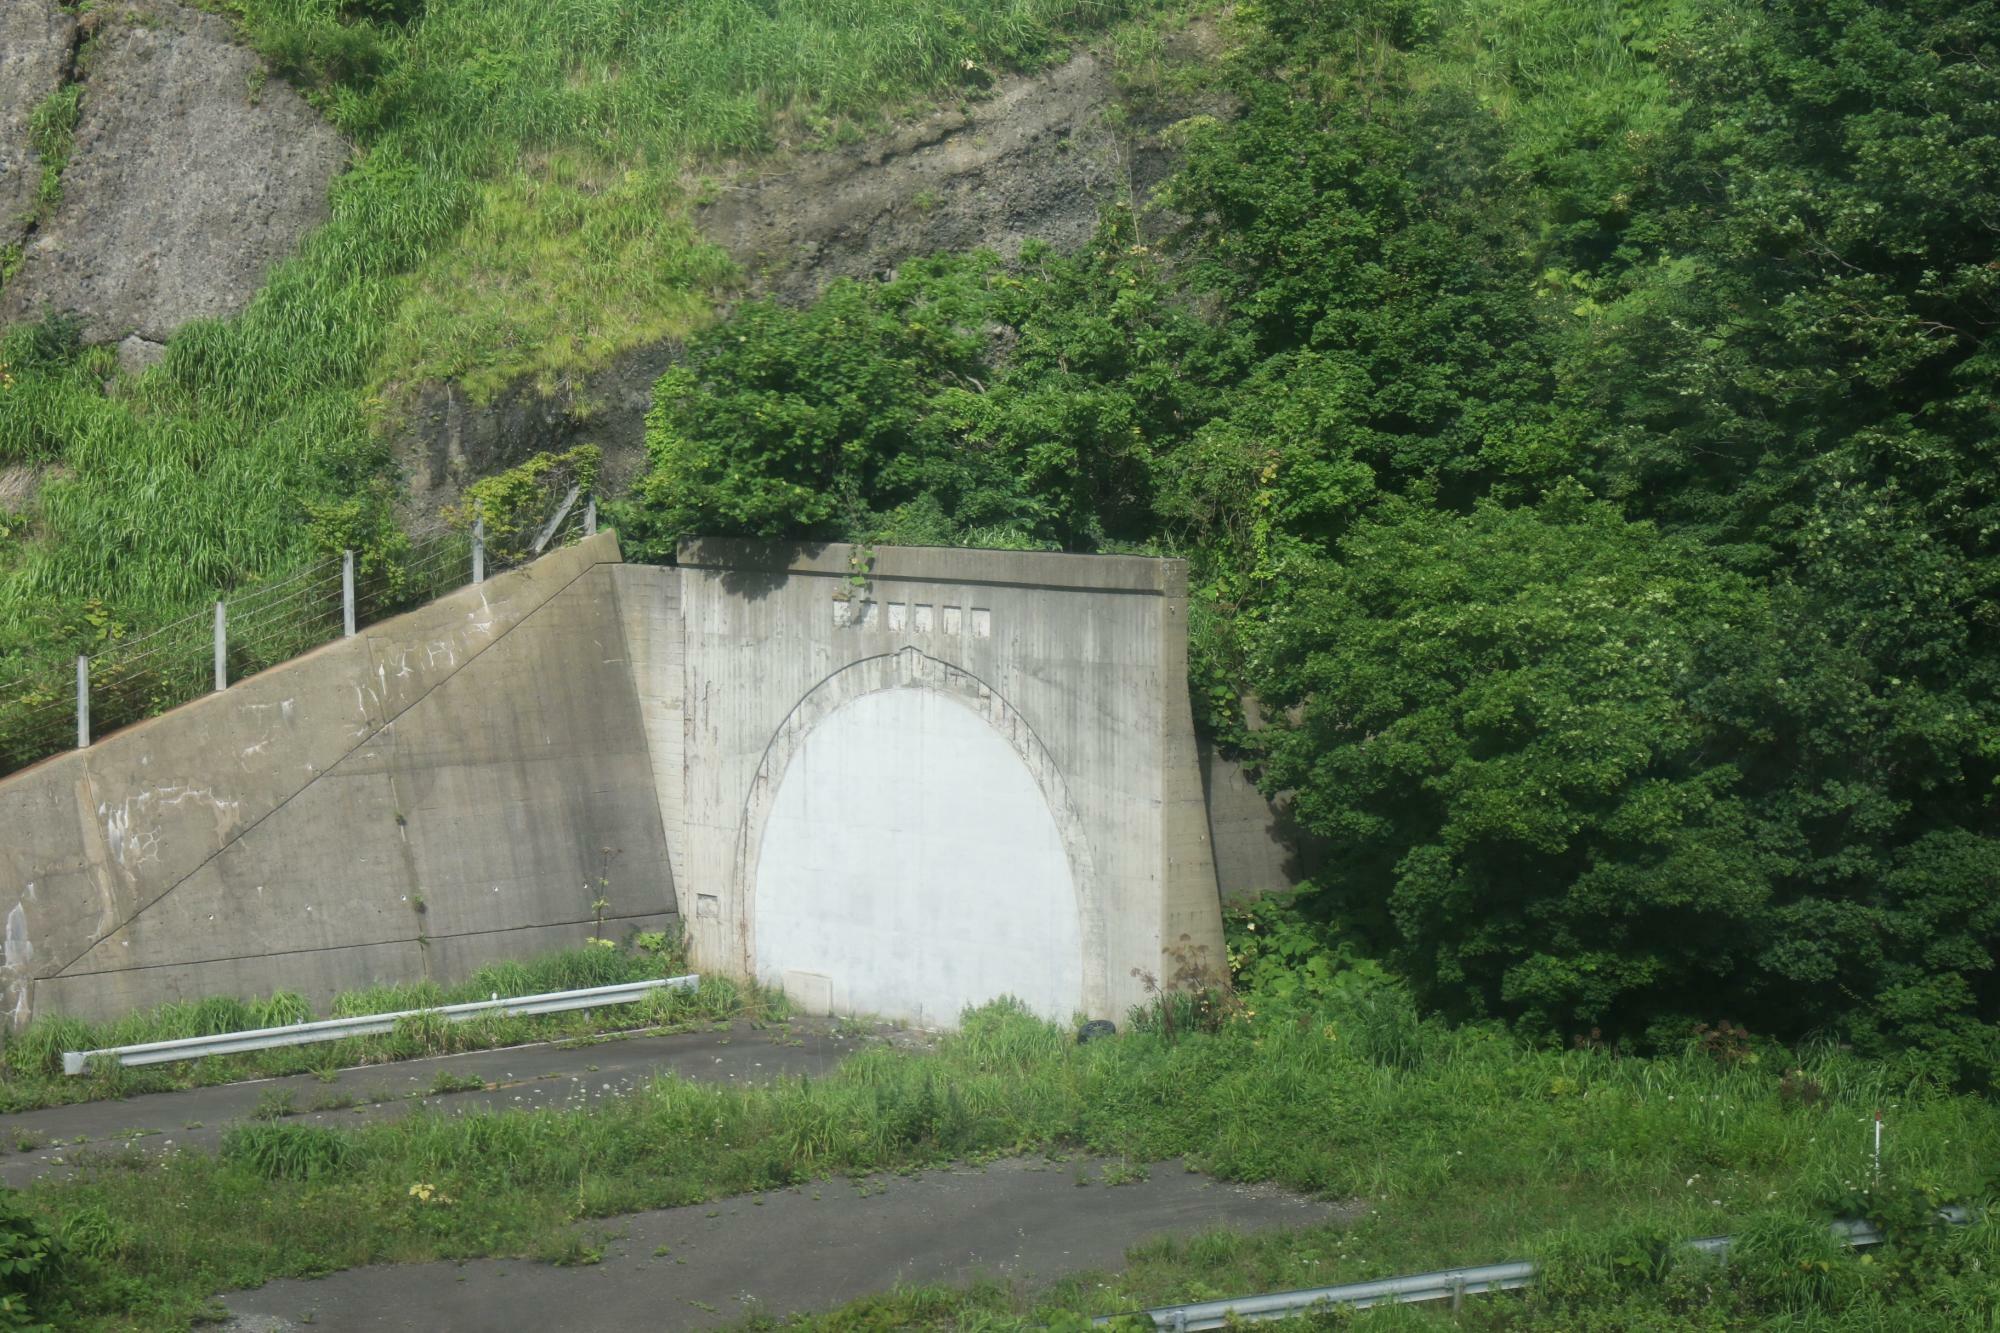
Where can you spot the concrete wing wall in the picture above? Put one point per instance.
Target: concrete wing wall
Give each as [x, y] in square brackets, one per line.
[1258, 848]
[481, 759]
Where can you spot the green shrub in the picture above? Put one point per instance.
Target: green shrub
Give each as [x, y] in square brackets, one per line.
[279, 1009]
[29, 1266]
[289, 1152]
[514, 505]
[667, 947]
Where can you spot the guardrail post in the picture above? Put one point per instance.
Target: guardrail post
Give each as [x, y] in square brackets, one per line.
[590, 518]
[479, 550]
[347, 592]
[82, 702]
[221, 647]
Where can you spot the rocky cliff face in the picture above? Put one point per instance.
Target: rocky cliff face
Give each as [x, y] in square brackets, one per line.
[190, 175]
[37, 43]
[1037, 160]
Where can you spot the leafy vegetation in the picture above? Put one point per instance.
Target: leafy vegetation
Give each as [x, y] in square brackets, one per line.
[1463, 1144]
[1579, 419]
[513, 504]
[515, 208]
[28, 1262]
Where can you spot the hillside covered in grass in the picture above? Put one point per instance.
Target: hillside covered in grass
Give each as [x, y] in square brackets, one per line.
[517, 208]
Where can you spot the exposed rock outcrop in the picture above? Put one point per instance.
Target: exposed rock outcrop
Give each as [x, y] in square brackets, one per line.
[36, 41]
[1038, 160]
[184, 185]
[445, 440]
[138, 355]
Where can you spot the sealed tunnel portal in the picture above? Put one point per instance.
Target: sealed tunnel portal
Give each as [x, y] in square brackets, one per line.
[912, 861]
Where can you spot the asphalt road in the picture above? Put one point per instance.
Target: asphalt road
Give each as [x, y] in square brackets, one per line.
[809, 1248]
[699, 1267]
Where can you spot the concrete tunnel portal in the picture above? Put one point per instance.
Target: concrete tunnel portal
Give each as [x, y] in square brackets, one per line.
[888, 780]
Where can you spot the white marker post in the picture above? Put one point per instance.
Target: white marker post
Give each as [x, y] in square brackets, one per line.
[82, 702]
[347, 593]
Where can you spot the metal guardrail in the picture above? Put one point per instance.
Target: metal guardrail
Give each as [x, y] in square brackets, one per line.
[365, 1025]
[1451, 1284]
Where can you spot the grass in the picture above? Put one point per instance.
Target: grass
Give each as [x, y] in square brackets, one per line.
[1458, 1147]
[31, 1061]
[52, 133]
[1784, 1274]
[517, 207]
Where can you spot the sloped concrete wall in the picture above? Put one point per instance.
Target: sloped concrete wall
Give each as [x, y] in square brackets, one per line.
[1077, 663]
[482, 758]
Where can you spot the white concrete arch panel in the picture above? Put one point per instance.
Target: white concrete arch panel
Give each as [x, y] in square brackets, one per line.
[909, 847]
[911, 861]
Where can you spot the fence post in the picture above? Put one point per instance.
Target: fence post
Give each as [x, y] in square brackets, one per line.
[221, 646]
[590, 518]
[479, 550]
[82, 702]
[347, 592]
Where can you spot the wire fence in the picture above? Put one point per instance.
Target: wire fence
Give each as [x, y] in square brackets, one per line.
[66, 703]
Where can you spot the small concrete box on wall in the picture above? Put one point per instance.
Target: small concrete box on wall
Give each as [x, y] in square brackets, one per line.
[918, 779]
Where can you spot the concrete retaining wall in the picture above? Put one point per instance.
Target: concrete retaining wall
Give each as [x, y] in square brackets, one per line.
[1258, 849]
[482, 757]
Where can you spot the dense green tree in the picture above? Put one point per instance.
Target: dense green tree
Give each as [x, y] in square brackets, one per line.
[1583, 420]
[1493, 719]
[960, 401]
